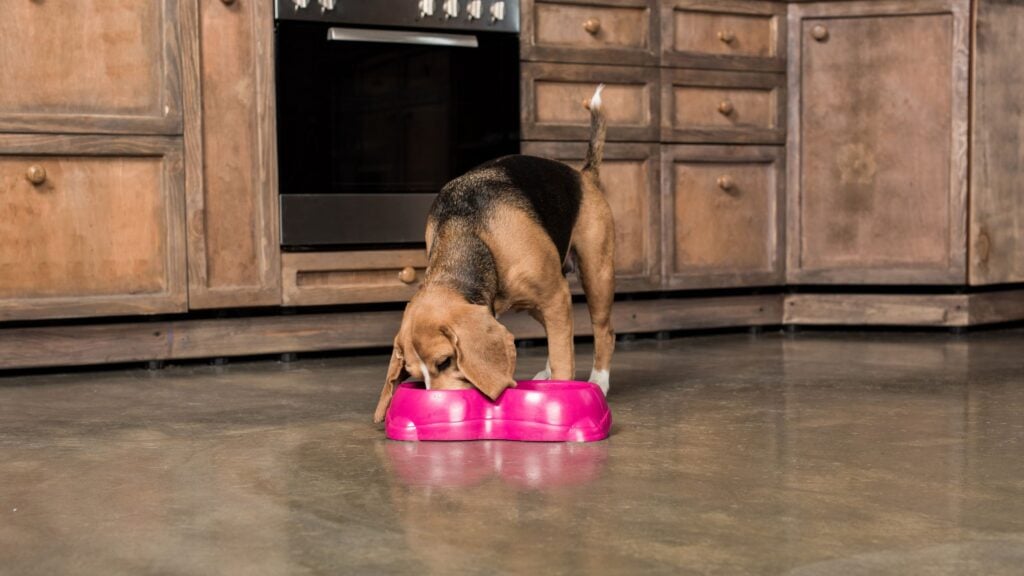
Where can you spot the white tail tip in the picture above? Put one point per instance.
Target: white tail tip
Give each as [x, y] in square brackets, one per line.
[595, 100]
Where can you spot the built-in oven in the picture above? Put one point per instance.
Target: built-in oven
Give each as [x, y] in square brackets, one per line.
[379, 104]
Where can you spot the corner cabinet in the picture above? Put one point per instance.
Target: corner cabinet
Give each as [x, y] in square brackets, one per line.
[878, 142]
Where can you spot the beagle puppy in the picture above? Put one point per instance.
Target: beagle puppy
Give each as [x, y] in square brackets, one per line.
[499, 238]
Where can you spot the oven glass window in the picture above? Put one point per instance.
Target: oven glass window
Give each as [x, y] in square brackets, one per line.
[356, 117]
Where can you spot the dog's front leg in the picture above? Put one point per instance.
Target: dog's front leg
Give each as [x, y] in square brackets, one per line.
[556, 316]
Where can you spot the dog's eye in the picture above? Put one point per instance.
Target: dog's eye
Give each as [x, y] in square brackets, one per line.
[444, 364]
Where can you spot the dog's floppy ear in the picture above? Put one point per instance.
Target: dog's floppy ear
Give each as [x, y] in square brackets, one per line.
[396, 374]
[485, 351]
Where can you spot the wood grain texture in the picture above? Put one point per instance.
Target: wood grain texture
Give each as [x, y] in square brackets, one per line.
[877, 143]
[102, 235]
[182, 339]
[627, 33]
[317, 278]
[877, 310]
[690, 101]
[997, 145]
[718, 238]
[552, 96]
[692, 34]
[630, 177]
[90, 66]
[234, 246]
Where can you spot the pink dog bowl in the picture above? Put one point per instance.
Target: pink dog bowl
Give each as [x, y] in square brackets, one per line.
[533, 411]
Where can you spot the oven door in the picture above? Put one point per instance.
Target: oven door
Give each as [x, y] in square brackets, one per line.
[372, 123]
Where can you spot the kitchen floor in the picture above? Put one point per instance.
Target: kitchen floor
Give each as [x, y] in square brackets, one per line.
[814, 453]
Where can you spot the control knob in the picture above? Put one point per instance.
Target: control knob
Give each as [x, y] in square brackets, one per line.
[473, 9]
[300, 4]
[451, 9]
[426, 8]
[498, 11]
[326, 5]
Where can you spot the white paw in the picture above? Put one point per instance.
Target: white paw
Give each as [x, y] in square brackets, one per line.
[600, 377]
[544, 374]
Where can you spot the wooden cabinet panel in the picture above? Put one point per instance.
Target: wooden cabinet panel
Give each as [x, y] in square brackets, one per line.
[705, 106]
[879, 181]
[629, 175]
[997, 146]
[96, 66]
[553, 96]
[723, 34]
[233, 232]
[90, 226]
[722, 210]
[598, 31]
[317, 278]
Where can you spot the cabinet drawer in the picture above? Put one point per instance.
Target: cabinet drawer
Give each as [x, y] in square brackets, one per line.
[722, 210]
[742, 107]
[602, 31]
[96, 66]
[629, 175]
[553, 96]
[730, 34]
[91, 226]
[317, 278]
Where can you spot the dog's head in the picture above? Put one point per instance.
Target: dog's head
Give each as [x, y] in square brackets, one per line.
[449, 343]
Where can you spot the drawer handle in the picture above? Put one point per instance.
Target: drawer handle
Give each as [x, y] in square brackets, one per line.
[592, 26]
[228, 2]
[726, 183]
[727, 36]
[35, 174]
[725, 108]
[407, 275]
[819, 33]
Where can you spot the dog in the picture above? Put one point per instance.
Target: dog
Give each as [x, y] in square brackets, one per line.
[500, 238]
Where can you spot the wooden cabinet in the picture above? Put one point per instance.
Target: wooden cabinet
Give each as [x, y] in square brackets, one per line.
[553, 96]
[90, 66]
[878, 144]
[596, 31]
[722, 216]
[90, 226]
[630, 177]
[233, 228]
[723, 34]
[316, 278]
[712, 106]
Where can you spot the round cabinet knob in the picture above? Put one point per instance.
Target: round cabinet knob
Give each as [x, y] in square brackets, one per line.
[407, 275]
[35, 174]
[592, 26]
[727, 36]
[725, 108]
[819, 33]
[726, 183]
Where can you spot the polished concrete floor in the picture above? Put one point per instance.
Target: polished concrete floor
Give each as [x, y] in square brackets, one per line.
[731, 454]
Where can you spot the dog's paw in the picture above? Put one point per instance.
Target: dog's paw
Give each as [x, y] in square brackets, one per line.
[544, 374]
[600, 377]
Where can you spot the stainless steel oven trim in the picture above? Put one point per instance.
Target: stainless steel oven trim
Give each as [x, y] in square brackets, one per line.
[401, 37]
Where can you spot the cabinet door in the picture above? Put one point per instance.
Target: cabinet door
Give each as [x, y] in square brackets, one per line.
[233, 234]
[91, 226]
[629, 175]
[723, 34]
[93, 66]
[878, 144]
[596, 31]
[722, 216]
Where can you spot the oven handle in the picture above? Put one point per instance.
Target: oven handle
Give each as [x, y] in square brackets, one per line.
[400, 37]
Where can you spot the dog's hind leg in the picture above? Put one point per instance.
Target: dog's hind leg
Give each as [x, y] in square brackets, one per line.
[594, 243]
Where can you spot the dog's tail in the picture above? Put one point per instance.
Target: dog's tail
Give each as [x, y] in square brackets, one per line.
[595, 150]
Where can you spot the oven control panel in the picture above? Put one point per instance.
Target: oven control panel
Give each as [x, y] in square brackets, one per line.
[467, 15]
